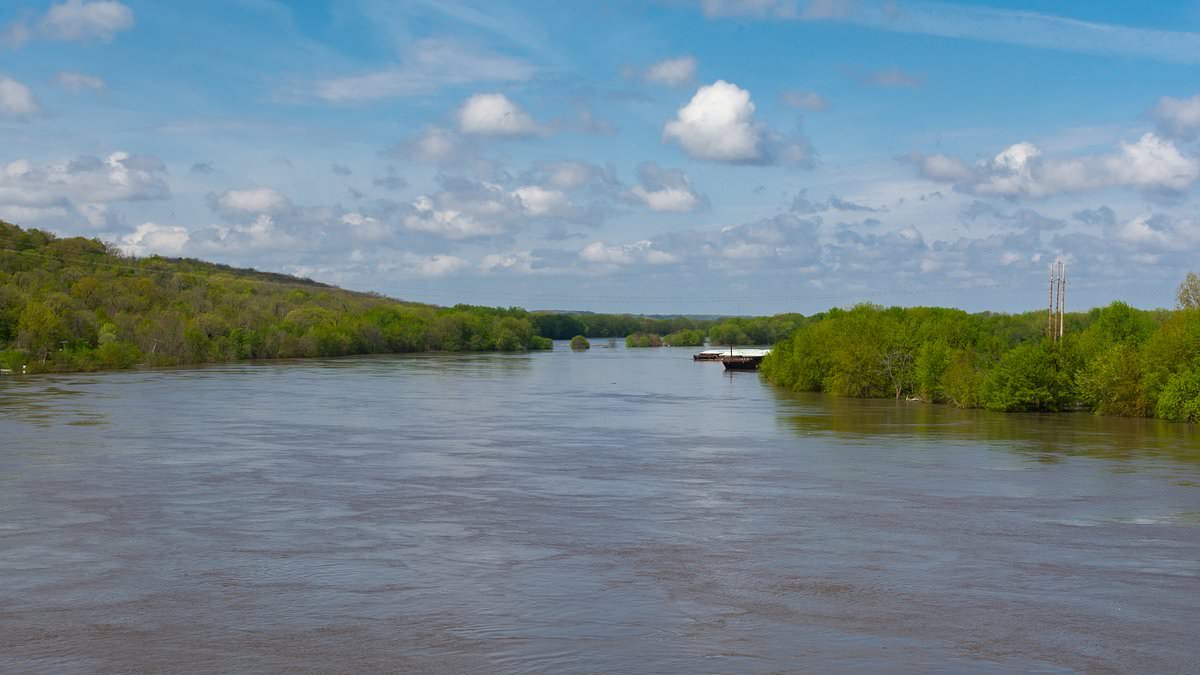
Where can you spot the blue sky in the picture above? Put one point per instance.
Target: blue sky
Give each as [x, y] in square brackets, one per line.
[711, 156]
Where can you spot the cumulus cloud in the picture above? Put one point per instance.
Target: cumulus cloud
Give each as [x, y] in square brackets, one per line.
[622, 255]
[465, 209]
[539, 201]
[429, 65]
[1178, 117]
[435, 265]
[340, 169]
[80, 190]
[435, 146]
[443, 220]
[666, 189]
[942, 168]
[573, 175]
[718, 125]
[16, 99]
[1151, 163]
[675, 72]
[155, 239]
[236, 203]
[515, 261]
[804, 100]
[78, 82]
[495, 115]
[203, 168]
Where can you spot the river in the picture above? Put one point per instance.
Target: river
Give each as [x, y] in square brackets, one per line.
[604, 511]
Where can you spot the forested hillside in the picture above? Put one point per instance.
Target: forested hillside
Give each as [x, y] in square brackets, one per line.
[77, 304]
[1115, 360]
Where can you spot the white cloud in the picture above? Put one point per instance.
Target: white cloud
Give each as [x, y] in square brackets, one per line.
[434, 265]
[494, 115]
[70, 187]
[77, 82]
[1179, 117]
[678, 200]
[435, 146]
[429, 65]
[941, 167]
[666, 189]
[539, 201]
[571, 175]
[152, 238]
[366, 228]
[93, 20]
[804, 100]
[672, 72]
[625, 254]
[15, 98]
[1152, 163]
[453, 223]
[517, 261]
[262, 235]
[465, 209]
[253, 200]
[718, 125]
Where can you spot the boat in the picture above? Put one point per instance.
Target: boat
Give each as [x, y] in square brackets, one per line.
[734, 359]
[744, 359]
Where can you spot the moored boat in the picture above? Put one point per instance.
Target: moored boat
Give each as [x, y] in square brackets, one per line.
[744, 359]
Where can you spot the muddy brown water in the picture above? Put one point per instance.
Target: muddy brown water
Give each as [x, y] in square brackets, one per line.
[603, 511]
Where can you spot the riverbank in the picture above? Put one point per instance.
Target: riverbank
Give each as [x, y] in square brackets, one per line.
[1115, 360]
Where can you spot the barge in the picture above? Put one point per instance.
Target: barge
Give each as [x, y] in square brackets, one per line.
[734, 359]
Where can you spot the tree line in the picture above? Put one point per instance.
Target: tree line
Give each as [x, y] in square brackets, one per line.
[78, 304]
[1115, 360]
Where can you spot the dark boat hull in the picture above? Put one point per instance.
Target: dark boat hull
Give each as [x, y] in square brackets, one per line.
[741, 362]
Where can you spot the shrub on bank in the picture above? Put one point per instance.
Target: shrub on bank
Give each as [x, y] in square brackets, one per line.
[643, 340]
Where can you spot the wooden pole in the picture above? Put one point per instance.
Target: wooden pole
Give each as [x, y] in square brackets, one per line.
[1050, 307]
[1062, 302]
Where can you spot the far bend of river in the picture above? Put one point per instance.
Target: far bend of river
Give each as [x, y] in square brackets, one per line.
[608, 511]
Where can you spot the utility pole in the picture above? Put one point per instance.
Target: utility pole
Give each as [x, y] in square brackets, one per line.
[1050, 307]
[1062, 301]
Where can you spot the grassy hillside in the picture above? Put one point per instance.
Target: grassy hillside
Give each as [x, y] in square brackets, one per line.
[78, 304]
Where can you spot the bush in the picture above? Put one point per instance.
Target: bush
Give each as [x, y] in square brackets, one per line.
[1180, 399]
[685, 338]
[1034, 377]
[539, 342]
[643, 340]
[580, 342]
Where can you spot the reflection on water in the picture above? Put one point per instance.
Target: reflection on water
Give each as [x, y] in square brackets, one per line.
[1048, 436]
[601, 511]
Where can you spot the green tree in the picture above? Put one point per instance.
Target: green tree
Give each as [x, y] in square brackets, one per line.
[1189, 292]
[40, 329]
[1180, 398]
[1036, 376]
[579, 342]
